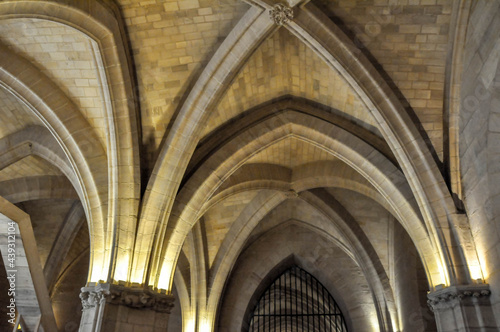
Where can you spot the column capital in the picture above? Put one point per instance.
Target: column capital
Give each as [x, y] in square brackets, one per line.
[449, 297]
[92, 296]
[133, 297]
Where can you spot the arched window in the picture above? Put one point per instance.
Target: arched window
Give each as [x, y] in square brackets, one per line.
[297, 302]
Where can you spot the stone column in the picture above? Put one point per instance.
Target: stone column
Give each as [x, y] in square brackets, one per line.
[115, 308]
[463, 308]
[27, 290]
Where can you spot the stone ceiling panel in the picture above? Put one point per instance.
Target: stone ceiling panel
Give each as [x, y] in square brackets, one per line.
[67, 57]
[79, 246]
[410, 42]
[295, 209]
[28, 166]
[171, 41]
[219, 218]
[284, 65]
[14, 115]
[373, 219]
[47, 217]
[291, 152]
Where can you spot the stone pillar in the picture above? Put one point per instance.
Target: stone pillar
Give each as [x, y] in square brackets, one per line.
[27, 290]
[115, 308]
[463, 308]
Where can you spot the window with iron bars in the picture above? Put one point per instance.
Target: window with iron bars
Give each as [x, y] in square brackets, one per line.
[297, 302]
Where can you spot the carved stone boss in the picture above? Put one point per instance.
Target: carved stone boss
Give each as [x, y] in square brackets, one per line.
[281, 14]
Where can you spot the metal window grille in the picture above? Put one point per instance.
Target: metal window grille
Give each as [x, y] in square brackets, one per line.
[297, 302]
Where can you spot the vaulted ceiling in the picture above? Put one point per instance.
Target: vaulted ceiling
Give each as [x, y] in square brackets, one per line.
[183, 136]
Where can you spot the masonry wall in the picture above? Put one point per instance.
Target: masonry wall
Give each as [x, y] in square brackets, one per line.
[175, 318]
[410, 284]
[479, 137]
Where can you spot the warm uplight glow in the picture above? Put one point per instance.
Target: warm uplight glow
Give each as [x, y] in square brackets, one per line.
[481, 270]
[395, 324]
[374, 322]
[475, 272]
[165, 276]
[189, 325]
[136, 277]
[122, 268]
[138, 268]
[98, 273]
[444, 276]
[437, 277]
[205, 325]
[99, 268]
[99, 263]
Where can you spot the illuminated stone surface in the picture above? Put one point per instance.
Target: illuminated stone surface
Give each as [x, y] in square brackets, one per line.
[195, 149]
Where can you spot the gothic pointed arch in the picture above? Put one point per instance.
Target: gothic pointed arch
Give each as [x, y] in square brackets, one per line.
[296, 301]
[79, 142]
[101, 23]
[226, 161]
[242, 292]
[400, 133]
[181, 140]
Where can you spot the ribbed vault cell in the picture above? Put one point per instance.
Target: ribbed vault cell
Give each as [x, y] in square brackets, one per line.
[296, 301]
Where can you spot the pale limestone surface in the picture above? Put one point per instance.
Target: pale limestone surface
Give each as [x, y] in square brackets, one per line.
[196, 147]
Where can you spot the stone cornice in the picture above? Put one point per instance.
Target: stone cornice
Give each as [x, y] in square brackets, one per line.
[138, 298]
[451, 296]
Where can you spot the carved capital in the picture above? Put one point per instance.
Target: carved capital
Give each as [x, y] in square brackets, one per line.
[138, 298]
[91, 297]
[281, 14]
[451, 296]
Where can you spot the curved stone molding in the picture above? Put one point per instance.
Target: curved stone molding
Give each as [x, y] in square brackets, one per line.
[281, 14]
[174, 157]
[137, 298]
[450, 296]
